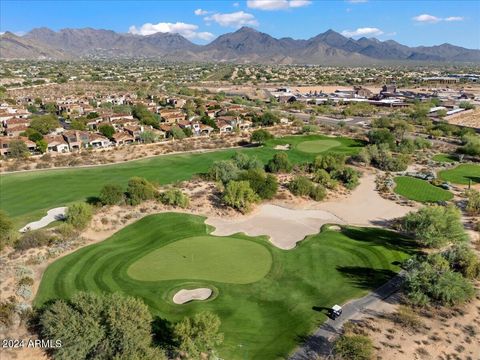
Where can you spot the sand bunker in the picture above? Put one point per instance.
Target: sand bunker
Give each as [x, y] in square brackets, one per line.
[52, 215]
[285, 227]
[282, 147]
[183, 296]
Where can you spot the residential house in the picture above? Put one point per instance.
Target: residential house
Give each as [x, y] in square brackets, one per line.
[98, 141]
[76, 139]
[56, 143]
[5, 144]
[172, 116]
[122, 138]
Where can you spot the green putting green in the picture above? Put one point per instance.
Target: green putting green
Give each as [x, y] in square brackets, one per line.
[462, 174]
[267, 316]
[28, 196]
[317, 146]
[221, 259]
[445, 158]
[420, 190]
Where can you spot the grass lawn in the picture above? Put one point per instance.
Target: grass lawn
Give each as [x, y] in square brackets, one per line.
[27, 196]
[445, 158]
[267, 316]
[462, 174]
[317, 146]
[420, 190]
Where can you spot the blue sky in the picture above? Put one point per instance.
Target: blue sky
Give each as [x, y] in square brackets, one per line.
[409, 22]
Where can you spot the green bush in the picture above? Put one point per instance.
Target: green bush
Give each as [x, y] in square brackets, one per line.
[318, 193]
[348, 176]
[473, 202]
[95, 326]
[79, 215]
[322, 177]
[174, 197]
[224, 171]
[329, 162]
[245, 162]
[139, 190]
[239, 195]
[111, 194]
[279, 163]
[471, 145]
[300, 186]
[6, 230]
[435, 226]
[263, 184]
[463, 259]
[353, 347]
[260, 136]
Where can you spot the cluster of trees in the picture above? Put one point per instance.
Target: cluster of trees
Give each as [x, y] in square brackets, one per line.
[471, 145]
[303, 186]
[260, 136]
[139, 190]
[330, 169]
[245, 181]
[145, 116]
[473, 202]
[113, 326]
[267, 118]
[441, 278]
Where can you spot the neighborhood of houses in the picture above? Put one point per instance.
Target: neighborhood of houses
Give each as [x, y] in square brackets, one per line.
[16, 120]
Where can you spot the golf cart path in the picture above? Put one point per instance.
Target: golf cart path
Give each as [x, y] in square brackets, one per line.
[54, 214]
[320, 342]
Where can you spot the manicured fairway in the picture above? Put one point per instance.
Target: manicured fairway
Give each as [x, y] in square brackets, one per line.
[420, 190]
[445, 158]
[318, 146]
[27, 196]
[221, 259]
[267, 316]
[462, 174]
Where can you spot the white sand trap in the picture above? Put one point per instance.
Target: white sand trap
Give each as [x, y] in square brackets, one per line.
[282, 147]
[52, 215]
[285, 227]
[183, 296]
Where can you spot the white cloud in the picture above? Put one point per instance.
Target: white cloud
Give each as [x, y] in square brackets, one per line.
[454, 18]
[187, 30]
[365, 31]
[427, 18]
[236, 4]
[235, 19]
[200, 12]
[277, 4]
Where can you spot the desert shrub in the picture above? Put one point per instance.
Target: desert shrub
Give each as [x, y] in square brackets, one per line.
[79, 215]
[463, 260]
[473, 202]
[407, 318]
[224, 171]
[174, 197]
[97, 326]
[300, 186]
[139, 190]
[245, 162]
[318, 193]
[348, 176]
[279, 163]
[263, 184]
[260, 136]
[329, 162]
[353, 347]
[435, 226]
[381, 136]
[25, 281]
[33, 239]
[111, 194]
[322, 177]
[471, 145]
[66, 231]
[7, 312]
[307, 129]
[239, 195]
[432, 280]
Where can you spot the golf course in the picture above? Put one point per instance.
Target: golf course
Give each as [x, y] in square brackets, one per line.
[27, 196]
[462, 174]
[420, 190]
[266, 298]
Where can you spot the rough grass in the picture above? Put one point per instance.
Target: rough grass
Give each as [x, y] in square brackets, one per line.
[27, 196]
[420, 190]
[462, 174]
[269, 316]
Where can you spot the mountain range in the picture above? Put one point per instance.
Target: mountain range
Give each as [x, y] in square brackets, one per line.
[245, 45]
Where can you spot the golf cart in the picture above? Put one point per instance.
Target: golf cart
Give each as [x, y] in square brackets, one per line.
[335, 311]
